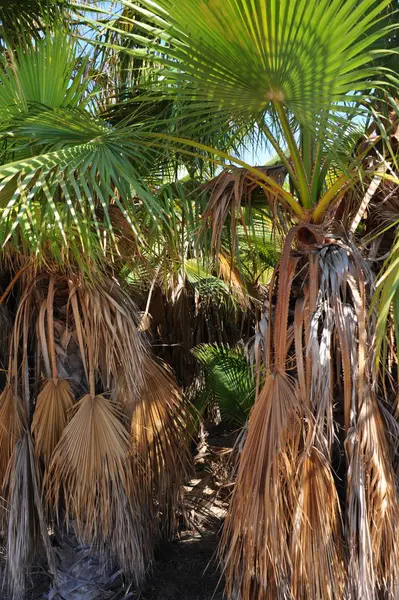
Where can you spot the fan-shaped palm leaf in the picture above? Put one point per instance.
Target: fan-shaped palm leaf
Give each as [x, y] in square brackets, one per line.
[62, 168]
[228, 381]
[51, 415]
[91, 468]
[246, 54]
[280, 63]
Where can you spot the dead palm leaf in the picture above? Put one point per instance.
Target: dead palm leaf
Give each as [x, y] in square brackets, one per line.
[373, 505]
[89, 465]
[373, 502]
[255, 539]
[91, 469]
[106, 323]
[317, 549]
[51, 416]
[27, 529]
[229, 191]
[12, 422]
[160, 427]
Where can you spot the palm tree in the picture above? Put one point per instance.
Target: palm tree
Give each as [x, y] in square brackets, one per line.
[93, 432]
[80, 219]
[315, 505]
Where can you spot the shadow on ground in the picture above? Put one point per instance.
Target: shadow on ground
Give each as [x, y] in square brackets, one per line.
[185, 570]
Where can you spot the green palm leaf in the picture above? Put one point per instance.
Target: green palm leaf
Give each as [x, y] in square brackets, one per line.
[228, 381]
[27, 17]
[246, 54]
[61, 167]
[300, 70]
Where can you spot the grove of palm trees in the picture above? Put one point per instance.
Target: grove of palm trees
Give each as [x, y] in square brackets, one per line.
[199, 210]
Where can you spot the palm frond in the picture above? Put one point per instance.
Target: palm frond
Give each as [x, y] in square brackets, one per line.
[51, 416]
[232, 190]
[62, 167]
[27, 529]
[106, 321]
[50, 202]
[12, 421]
[228, 381]
[90, 466]
[255, 542]
[43, 74]
[161, 429]
[317, 535]
[373, 504]
[246, 55]
[276, 46]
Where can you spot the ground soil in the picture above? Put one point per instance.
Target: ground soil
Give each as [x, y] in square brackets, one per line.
[188, 568]
[185, 570]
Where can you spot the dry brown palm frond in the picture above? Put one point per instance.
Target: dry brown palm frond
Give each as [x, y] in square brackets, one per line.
[373, 505]
[12, 420]
[91, 470]
[361, 577]
[90, 465]
[301, 306]
[286, 273]
[317, 546]
[317, 549]
[27, 530]
[106, 323]
[255, 543]
[51, 416]
[372, 495]
[319, 347]
[332, 329]
[229, 191]
[160, 427]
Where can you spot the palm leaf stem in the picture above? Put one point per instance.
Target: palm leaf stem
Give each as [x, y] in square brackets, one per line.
[335, 192]
[280, 152]
[270, 183]
[301, 178]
